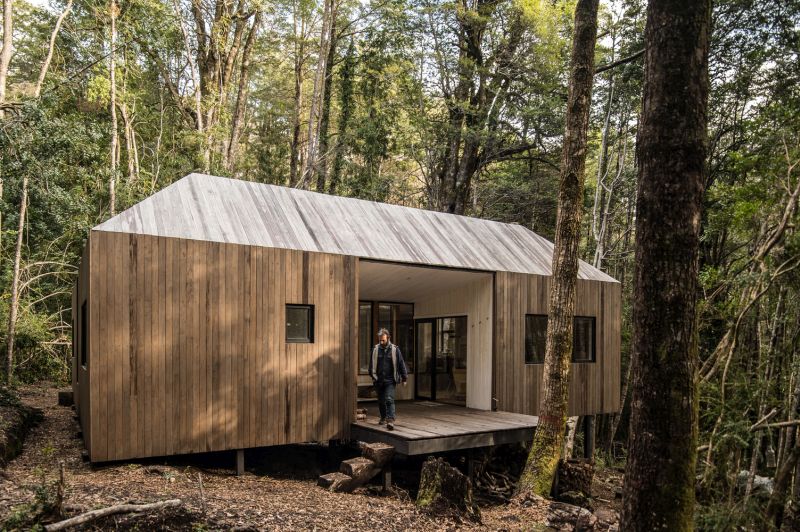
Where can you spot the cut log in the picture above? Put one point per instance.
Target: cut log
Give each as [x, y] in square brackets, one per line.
[335, 481]
[380, 453]
[357, 467]
[444, 490]
[112, 510]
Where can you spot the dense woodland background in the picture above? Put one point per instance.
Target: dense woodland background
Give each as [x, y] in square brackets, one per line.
[453, 106]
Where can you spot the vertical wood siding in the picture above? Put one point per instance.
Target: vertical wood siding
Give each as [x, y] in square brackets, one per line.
[188, 351]
[595, 386]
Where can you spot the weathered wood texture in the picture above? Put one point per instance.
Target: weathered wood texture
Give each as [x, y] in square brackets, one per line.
[218, 209]
[81, 381]
[594, 386]
[188, 351]
[427, 427]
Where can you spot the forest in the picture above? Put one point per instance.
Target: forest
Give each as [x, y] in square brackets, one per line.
[453, 106]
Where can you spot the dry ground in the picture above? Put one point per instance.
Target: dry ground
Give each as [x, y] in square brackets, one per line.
[277, 493]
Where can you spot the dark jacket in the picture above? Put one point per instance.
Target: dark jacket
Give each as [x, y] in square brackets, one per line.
[400, 370]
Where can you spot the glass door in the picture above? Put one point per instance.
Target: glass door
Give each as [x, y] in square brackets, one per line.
[441, 347]
[450, 380]
[425, 350]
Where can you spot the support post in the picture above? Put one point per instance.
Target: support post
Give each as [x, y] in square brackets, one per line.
[239, 462]
[386, 476]
[471, 464]
[588, 437]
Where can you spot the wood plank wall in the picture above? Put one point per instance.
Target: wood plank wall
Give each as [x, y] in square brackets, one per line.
[188, 350]
[594, 387]
[80, 375]
[474, 301]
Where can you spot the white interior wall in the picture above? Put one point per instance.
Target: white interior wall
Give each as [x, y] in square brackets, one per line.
[475, 301]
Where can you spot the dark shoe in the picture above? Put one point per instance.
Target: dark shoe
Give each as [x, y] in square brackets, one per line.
[390, 425]
[382, 421]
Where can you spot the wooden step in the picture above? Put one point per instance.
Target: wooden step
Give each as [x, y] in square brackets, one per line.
[357, 467]
[335, 481]
[380, 453]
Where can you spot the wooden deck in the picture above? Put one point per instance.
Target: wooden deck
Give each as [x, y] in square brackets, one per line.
[426, 427]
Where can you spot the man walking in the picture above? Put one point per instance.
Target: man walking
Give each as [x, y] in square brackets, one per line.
[387, 368]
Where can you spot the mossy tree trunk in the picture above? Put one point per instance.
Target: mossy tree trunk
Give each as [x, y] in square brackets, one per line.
[542, 462]
[671, 150]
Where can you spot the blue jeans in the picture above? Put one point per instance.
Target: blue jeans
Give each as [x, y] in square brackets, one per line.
[386, 400]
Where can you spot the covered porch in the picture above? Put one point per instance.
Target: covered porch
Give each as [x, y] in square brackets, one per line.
[424, 427]
[440, 318]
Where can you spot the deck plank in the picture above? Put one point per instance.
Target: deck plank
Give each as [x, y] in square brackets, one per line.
[426, 427]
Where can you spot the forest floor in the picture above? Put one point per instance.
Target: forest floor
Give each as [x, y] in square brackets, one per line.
[278, 491]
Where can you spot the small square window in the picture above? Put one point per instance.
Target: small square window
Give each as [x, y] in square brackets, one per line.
[300, 324]
[535, 338]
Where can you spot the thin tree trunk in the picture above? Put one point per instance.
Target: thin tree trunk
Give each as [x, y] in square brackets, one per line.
[46, 65]
[112, 188]
[540, 468]
[14, 305]
[325, 119]
[345, 112]
[662, 444]
[320, 79]
[195, 74]
[241, 96]
[5, 52]
[130, 143]
[299, 58]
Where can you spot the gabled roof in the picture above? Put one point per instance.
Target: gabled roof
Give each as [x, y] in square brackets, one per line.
[205, 207]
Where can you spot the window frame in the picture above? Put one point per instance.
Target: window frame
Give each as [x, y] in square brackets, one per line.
[375, 326]
[593, 358]
[572, 358]
[309, 339]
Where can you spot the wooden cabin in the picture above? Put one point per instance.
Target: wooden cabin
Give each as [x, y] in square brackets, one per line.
[220, 314]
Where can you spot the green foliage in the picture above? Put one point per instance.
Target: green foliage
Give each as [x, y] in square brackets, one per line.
[46, 504]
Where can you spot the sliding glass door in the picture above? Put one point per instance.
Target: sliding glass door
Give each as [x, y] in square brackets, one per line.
[425, 353]
[441, 346]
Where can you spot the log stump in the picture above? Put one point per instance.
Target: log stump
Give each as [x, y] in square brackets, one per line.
[443, 489]
[574, 476]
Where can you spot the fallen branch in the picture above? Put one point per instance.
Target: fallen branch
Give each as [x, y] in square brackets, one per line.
[791, 423]
[763, 420]
[112, 510]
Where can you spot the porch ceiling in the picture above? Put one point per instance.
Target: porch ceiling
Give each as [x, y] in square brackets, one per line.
[407, 283]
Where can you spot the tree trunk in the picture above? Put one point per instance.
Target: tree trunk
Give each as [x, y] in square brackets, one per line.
[5, 52]
[241, 96]
[112, 187]
[195, 75]
[540, 469]
[320, 79]
[325, 118]
[14, 304]
[347, 73]
[671, 150]
[46, 64]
